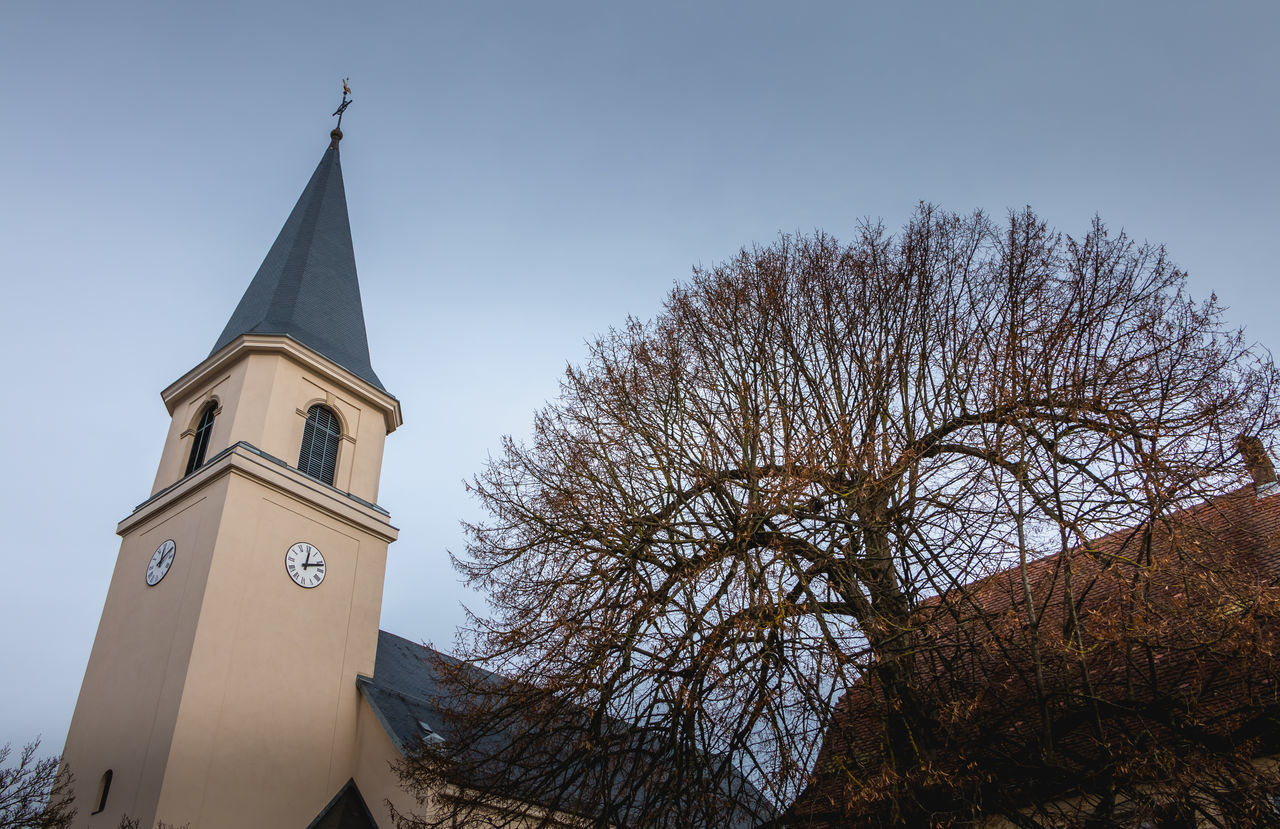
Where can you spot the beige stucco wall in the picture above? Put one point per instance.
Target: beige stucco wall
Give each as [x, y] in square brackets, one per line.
[264, 387]
[378, 784]
[132, 686]
[266, 730]
[226, 695]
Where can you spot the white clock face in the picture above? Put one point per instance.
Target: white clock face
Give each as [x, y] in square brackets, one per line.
[305, 565]
[160, 562]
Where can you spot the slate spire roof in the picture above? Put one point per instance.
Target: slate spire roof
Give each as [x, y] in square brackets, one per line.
[306, 287]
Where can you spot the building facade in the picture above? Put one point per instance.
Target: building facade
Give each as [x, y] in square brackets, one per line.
[230, 679]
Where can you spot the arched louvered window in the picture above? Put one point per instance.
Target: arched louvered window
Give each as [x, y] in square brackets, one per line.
[319, 455]
[104, 789]
[200, 443]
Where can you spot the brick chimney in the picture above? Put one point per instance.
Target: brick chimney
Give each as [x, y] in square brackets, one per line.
[1259, 464]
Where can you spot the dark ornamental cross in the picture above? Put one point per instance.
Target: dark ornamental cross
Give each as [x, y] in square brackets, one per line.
[346, 102]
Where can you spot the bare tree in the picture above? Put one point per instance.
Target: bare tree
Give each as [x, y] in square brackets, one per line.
[733, 514]
[127, 822]
[33, 795]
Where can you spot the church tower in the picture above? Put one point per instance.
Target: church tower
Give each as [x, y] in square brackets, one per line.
[222, 686]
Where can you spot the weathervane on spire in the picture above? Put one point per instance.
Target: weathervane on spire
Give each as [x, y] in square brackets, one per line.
[336, 134]
[346, 102]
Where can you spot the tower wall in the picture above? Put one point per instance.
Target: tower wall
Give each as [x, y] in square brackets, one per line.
[133, 686]
[264, 386]
[266, 729]
[225, 695]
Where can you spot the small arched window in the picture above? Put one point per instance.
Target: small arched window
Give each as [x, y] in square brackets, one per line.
[200, 443]
[320, 436]
[104, 789]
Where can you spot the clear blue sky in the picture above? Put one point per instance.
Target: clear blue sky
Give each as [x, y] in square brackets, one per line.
[520, 177]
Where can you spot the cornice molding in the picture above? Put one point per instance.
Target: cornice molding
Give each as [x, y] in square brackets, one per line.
[250, 462]
[290, 348]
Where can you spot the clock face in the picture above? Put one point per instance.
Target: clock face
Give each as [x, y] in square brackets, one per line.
[305, 565]
[160, 562]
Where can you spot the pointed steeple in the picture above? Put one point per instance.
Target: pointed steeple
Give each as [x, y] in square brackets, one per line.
[306, 287]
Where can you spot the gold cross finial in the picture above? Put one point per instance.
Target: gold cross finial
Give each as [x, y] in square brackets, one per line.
[346, 102]
[336, 134]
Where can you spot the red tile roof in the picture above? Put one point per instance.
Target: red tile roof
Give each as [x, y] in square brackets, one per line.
[1179, 628]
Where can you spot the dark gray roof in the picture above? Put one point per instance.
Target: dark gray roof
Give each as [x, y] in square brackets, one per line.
[412, 693]
[407, 691]
[347, 810]
[306, 287]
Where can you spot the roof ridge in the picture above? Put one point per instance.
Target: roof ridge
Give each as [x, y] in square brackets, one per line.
[372, 682]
